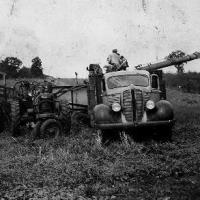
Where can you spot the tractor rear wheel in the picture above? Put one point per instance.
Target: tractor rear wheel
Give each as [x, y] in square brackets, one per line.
[51, 128]
[15, 118]
[2, 124]
[4, 115]
[65, 116]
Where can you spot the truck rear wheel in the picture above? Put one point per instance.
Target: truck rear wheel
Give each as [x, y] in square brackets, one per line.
[65, 116]
[80, 118]
[51, 128]
[15, 118]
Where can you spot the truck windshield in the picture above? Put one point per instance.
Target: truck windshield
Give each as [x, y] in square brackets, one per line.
[126, 80]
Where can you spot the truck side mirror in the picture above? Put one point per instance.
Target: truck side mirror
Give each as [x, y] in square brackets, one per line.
[155, 81]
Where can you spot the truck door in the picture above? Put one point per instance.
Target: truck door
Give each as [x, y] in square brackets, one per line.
[161, 84]
[155, 88]
[103, 91]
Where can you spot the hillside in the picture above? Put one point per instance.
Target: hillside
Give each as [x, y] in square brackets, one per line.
[76, 167]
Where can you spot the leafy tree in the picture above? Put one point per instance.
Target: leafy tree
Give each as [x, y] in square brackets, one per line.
[36, 67]
[11, 66]
[24, 72]
[174, 55]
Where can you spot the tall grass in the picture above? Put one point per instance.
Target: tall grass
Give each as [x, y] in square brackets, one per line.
[77, 167]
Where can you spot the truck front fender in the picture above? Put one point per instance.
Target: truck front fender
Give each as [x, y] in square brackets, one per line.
[104, 114]
[162, 111]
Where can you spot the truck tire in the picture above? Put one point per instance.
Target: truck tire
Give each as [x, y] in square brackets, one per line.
[108, 136]
[51, 128]
[65, 116]
[80, 118]
[164, 134]
[15, 118]
[167, 134]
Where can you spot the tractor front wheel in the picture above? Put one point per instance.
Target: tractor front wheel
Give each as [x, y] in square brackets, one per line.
[35, 133]
[51, 128]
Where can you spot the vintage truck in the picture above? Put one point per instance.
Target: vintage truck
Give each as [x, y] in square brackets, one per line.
[123, 101]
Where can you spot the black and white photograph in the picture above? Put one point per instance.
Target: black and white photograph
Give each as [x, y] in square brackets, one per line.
[99, 100]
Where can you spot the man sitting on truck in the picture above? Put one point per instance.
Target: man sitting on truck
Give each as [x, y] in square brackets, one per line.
[123, 63]
[114, 60]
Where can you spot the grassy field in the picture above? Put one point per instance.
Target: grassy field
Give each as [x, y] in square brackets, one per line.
[76, 167]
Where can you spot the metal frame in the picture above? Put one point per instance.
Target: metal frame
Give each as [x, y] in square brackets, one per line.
[65, 89]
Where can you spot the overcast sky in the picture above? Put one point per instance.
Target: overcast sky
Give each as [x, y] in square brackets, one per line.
[68, 35]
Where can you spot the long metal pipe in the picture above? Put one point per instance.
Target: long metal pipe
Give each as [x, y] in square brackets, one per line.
[167, 63]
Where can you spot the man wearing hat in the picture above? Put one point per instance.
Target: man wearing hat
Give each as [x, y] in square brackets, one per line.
[114, 60]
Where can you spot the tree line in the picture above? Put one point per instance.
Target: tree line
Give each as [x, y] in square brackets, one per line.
[14, 68]
[187, 82]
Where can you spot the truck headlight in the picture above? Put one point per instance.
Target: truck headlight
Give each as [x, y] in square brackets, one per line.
[150, 105]
[116, 107]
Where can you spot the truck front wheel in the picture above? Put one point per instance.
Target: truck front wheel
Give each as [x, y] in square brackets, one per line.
[106, 137]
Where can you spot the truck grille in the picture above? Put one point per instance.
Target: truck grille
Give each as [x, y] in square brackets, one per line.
[146, 96]
[133, 104]
[113, 98]
[128, 105]
[139, 104]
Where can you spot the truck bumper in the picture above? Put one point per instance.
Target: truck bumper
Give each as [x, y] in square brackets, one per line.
[130, 125]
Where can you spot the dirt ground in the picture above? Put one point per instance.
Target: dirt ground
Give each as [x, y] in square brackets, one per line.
[76, 167]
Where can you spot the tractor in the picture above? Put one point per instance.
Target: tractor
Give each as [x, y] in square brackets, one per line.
[36, 107]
